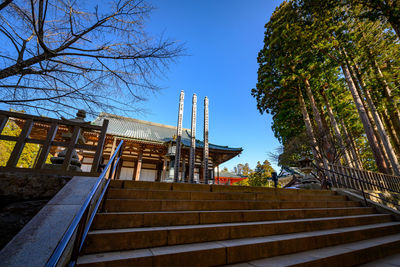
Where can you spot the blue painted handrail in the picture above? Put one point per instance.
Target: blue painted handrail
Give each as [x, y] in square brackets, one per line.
[81, 224]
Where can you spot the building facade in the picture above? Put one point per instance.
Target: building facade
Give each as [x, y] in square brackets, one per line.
[149, 150]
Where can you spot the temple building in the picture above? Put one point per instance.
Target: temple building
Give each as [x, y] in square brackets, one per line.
[149, 150]
[229, 178]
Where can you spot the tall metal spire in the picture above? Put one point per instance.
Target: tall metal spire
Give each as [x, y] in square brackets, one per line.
[205, 152]
[192, 158]
[178, 138]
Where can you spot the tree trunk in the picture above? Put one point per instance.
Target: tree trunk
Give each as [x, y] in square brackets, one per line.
[392, 133]
[309, 128]
[353, 149]
[378, 122]
[319, 157]
[373, 142]
[322, 131]
[394, 113]
[335, 127]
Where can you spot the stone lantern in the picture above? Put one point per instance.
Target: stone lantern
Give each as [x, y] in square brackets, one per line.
[306, 165]
[308, 181]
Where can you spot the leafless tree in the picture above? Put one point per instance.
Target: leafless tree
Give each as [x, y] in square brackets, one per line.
[60, 55]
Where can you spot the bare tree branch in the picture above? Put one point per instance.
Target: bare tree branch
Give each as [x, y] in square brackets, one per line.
[68, 57]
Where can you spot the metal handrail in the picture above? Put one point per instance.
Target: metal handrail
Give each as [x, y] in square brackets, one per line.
[361, 189]
[80, 224]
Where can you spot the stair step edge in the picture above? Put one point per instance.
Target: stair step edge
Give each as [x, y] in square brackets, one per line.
[233, 224]
[226, 211]
[157, 251]
[321, 253]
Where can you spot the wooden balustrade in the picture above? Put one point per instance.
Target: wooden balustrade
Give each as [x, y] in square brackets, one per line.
[50, 134]
[346, 177]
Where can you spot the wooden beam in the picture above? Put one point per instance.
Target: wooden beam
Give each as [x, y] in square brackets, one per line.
[47, 120]
[19, 146]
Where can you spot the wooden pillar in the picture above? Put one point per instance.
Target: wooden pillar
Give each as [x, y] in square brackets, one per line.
[183, 180]
[192, 157]
[159, 170]
[201, 174]
[218, 173]
[113, 147]
[205, 153]
[112, 152]
[118, 170]
[138, 165]
[164, 169]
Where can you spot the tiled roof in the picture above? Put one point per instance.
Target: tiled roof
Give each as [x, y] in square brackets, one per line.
[149, 131]
[230, 175]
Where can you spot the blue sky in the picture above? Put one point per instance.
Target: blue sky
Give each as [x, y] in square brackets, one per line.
[222, 39]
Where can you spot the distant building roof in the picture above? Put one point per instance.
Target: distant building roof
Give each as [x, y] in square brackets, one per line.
[149, 131]
[231, 175]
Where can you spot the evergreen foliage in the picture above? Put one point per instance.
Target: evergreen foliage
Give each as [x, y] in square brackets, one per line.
[329, 75]
[258, 177]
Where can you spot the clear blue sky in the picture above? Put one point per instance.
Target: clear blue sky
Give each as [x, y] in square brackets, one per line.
[222, 39]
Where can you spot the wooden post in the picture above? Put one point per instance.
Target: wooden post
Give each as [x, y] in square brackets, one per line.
[113, 147]
[3, 121]
[192, 157]
[99, 149]
[372, 181]
[164, 169]
[201, 173]
[138, 166]
[218, 173]
[183, 180]
[19, 145]
[112, 152]
[71, 147]
[46, 146]
[159, 170]
[178, 138]
[205, 153]
[118, 170]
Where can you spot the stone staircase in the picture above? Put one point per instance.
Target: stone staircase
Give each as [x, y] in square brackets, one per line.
[172, 224]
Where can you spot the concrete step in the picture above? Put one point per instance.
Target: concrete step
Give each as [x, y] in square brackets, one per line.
[209, 188]
[119, 193]
[349, 254]
[238, 250]
[115, 220]
[115, 205]
[387, 261]
[145, 237]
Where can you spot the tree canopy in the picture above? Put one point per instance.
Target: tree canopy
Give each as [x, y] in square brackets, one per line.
[258, 177]
[329, 76]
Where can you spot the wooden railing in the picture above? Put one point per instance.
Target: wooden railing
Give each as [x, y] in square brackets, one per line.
[370, 180]
[50, 134]
[365, 182]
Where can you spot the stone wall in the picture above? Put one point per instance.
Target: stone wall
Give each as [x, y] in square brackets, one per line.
[22, 195]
